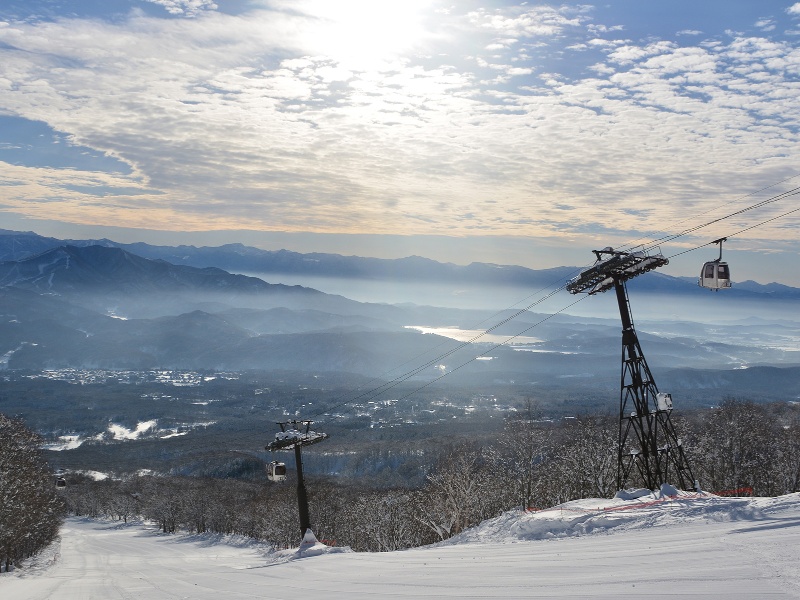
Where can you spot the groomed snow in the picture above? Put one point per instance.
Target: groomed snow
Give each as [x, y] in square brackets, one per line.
[688, 546]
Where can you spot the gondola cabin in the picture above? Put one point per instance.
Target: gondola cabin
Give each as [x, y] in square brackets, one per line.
[61, 483]
[715, 275]
[276, 471]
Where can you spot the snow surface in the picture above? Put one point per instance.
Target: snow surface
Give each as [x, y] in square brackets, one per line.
[120, 432]
[66, 442]
[655, 546]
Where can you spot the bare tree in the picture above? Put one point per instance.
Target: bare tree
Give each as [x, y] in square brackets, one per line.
[463, 490]
[581, 462]
[735, 448]
[522, 451]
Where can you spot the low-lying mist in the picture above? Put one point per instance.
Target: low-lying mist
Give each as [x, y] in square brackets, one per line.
[702, 306]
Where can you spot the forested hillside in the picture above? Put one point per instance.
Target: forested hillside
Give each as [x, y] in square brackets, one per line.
[739, 448]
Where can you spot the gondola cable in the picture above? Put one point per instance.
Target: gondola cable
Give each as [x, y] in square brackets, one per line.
[730, 235]
[459, 346]
[397, 381]
[776, 198]
[482, 354]
[658, 241]
[378, 390]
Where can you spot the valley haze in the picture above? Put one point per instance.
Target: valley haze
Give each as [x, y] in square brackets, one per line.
[100, 313]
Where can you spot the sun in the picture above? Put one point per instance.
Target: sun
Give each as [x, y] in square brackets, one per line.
[360, 34]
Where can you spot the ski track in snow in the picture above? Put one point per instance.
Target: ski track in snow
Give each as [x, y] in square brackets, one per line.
[687, 546]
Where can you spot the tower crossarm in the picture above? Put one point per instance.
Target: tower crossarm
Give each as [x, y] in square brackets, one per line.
[613, 265]
[295, 433]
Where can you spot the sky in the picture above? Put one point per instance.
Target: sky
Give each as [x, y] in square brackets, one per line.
[650, 547]
[512, 132]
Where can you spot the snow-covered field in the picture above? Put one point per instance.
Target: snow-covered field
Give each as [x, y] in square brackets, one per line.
[689, 547]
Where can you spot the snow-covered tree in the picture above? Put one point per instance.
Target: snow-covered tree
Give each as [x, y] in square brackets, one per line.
[735, 448]
[581, 463]
[31, 512]
[788, 458]
[463, 490]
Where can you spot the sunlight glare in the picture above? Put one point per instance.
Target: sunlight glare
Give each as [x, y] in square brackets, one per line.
[365, 33]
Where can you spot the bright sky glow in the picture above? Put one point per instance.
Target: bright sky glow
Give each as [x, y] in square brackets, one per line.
[575, 123]
[360, 34]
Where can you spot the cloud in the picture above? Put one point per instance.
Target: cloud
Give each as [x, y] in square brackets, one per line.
[794, 9]
[189, 8]
[629, 53]
[766, 24]
[598, 28]
[259, 121]
[526, 22]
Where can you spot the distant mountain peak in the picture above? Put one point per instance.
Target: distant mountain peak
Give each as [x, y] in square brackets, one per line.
[238, 258]
[71, 268]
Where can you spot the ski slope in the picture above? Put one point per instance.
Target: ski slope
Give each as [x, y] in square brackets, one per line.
[687, 546]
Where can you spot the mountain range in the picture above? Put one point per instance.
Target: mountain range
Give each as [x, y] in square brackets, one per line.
[99, 305]
[238, 258]
[15, 246]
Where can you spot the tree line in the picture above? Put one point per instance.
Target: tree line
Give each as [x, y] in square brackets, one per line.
[738, 447]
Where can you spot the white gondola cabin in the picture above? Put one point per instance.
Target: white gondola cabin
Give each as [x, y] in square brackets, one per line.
[715, 274]
[276, 471]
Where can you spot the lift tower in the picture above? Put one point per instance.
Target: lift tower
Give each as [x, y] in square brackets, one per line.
[293, 436]
[647, 438]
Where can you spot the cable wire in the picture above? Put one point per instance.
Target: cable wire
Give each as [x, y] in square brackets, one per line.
[376, 391]
[776, 198]
[657, 241]
[484, 353]
[730, 235]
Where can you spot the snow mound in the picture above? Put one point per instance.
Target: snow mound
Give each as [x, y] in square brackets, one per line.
[632, 494]
[635, 494]
[634, 511]
[310, 546]
[38, 565]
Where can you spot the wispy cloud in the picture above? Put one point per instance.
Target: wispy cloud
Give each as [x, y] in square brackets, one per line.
[528, 22]
[766, 24]
[188, 8]
[360, 116]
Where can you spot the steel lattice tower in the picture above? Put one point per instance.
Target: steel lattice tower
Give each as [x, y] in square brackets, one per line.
[647, 438]
[294, 435]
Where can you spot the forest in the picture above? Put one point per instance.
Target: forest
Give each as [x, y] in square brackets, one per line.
[737, 448]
